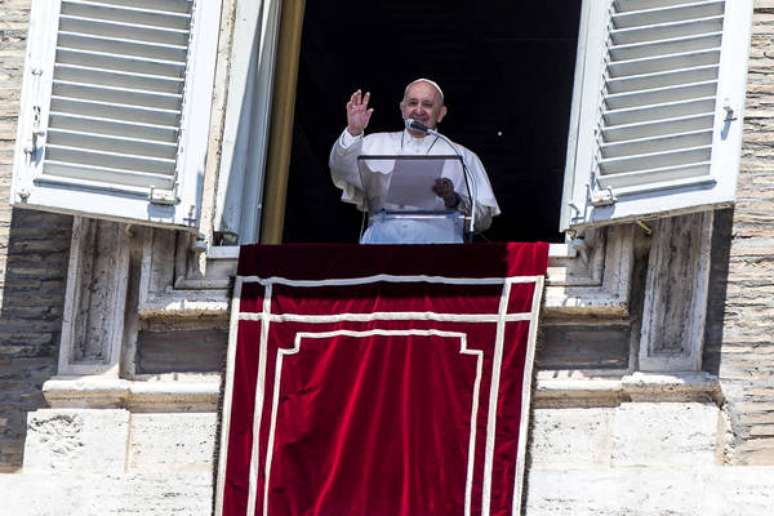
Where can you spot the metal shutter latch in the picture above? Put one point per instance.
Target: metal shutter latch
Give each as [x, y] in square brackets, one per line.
[163, 197]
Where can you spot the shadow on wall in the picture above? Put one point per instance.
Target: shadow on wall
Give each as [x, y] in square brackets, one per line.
[34, 251]
[718, 286]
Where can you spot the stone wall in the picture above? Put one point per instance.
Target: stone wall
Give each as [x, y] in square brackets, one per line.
[33, 264]
[644, 459]
[112, 462]
[638, 459]
[740, 336]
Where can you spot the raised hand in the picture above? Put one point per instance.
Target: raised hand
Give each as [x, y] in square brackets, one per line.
[358, 113]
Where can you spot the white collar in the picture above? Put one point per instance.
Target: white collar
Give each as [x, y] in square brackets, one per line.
[410, 139]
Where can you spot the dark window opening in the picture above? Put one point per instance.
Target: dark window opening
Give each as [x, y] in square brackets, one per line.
[507, 71]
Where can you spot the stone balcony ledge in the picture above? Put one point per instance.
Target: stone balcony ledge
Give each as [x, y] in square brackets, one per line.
[200, 393]
[569, 390]
[197, 394]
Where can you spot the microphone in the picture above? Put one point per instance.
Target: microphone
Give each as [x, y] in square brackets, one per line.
[417, 126]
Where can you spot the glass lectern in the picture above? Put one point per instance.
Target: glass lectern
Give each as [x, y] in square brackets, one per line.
[401, 205]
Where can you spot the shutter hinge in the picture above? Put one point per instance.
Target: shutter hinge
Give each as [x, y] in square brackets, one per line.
[31, 145]
[23, 194]
[602, 195]
[191, 219]
[730, 113]
[600, 198]
[163, 197]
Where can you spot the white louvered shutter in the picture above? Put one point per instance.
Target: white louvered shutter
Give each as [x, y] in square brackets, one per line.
[658, 115]
[115, 109]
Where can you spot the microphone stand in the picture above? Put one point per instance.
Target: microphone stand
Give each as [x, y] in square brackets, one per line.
[466, 175]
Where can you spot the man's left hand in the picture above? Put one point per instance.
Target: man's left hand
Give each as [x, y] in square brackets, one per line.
[444, 188]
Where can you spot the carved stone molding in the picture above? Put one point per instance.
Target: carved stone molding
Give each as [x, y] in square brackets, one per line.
[597, 280]
[676, 290]
[583, 391]
[201, 394]
[177, 282]
[186, 395]
[95, 299]
[592, 277]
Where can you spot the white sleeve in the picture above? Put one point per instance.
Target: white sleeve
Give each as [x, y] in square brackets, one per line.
[486, 204]
[344, 171]
[484, 213]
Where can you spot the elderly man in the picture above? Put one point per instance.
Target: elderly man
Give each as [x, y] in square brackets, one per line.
[423, 101]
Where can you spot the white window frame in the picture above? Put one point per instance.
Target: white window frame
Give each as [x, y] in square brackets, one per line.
[246, 133]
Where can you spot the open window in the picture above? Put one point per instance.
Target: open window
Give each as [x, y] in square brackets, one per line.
[653, 116]
[506, 69]
[659, 95]
[115, 109]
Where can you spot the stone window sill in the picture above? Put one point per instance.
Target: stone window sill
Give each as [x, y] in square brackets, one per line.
[199, 393]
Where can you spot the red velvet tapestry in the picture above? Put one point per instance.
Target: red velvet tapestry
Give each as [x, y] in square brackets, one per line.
[379, 380]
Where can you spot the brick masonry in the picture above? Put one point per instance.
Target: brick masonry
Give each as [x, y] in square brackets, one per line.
[33, 264]
[740, 332]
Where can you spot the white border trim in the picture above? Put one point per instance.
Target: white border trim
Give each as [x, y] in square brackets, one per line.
[281, 353]
[385, 316]
[494, 395]
[526, 398]
[388, 278]
[231, 252]
[228, 396]
[260, 385]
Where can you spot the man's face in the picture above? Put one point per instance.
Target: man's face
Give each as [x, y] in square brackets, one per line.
[423, 103]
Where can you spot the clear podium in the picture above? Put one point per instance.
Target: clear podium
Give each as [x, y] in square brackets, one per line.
[400, 202]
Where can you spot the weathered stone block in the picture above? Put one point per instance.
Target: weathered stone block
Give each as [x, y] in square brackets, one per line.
[94, 440]
[659, 434]
[172, 441]
[571, 438]
[87, 494]
[687, 491]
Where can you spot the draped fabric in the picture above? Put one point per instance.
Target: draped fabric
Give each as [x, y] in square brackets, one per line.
[379, 380]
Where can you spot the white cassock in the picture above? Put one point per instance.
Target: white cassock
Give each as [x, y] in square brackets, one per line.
[346, 176]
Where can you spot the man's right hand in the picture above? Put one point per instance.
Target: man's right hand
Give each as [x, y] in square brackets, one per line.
[358, 113]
